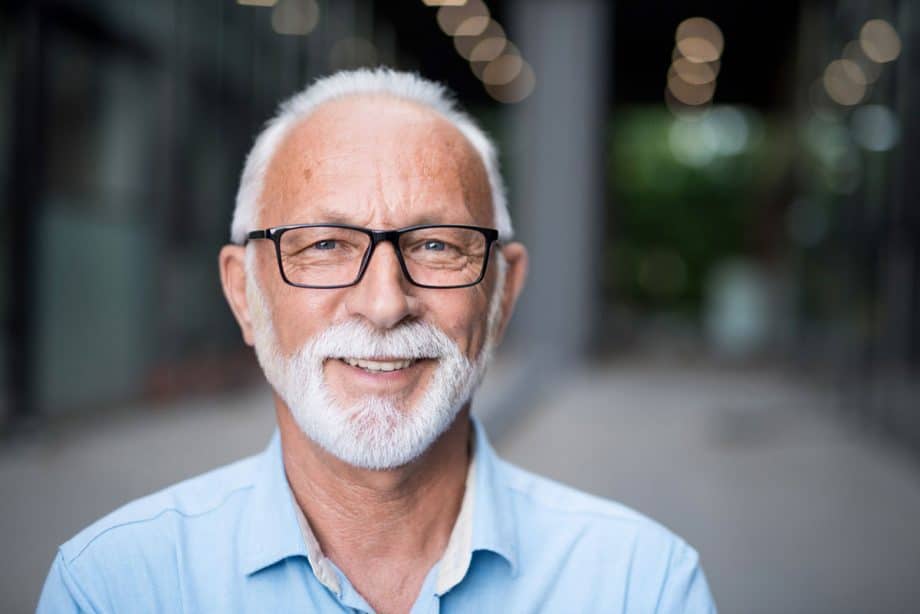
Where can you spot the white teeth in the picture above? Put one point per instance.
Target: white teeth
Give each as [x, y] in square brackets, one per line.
[378, 365]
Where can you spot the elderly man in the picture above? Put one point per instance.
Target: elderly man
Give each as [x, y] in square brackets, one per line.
[372, 270]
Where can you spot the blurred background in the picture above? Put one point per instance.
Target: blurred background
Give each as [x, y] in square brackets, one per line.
[722, 324]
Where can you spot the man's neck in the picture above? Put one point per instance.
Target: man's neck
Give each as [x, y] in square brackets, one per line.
[384, 529]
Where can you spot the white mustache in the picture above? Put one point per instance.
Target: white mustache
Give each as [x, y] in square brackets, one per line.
[357, 339]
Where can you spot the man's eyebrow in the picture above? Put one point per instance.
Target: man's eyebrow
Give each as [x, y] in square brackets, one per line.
[332, 218]
[324, 218]
[318, 218]
[425, 220]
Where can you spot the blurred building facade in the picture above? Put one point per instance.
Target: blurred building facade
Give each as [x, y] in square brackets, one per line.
[779, 222]
[123, 134]
[858, 256]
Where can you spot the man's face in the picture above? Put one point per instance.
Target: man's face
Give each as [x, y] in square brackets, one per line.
[382, 164]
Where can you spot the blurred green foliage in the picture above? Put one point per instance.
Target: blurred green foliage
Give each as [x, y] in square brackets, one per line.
[678, 204]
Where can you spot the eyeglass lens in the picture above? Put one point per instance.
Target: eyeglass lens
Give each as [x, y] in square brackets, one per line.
[332, 256]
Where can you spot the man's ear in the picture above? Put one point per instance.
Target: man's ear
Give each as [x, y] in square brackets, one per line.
[515, 275]
[232, 262]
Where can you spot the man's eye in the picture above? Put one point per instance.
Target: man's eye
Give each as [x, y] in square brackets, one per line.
[437, 246]
[325, 245]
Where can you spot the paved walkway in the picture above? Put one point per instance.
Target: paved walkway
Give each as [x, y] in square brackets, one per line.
[791, 510]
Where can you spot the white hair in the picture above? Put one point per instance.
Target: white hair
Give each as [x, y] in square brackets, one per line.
[401, 85]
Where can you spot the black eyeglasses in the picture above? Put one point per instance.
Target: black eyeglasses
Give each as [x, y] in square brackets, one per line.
[337, 255]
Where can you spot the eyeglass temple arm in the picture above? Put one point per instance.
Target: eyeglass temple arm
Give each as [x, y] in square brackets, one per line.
[256, 234]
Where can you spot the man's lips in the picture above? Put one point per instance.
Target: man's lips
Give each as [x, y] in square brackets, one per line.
[381, 364]
[378, 365]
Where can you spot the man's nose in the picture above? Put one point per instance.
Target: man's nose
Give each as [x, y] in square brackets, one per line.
[382, 296]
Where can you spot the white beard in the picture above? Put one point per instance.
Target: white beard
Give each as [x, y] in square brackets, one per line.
[375, 432]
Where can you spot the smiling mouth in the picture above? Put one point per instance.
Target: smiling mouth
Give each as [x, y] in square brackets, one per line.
[380, 366]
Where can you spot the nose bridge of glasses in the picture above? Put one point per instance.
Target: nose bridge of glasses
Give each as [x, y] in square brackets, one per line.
[379, 239]
[386, 236]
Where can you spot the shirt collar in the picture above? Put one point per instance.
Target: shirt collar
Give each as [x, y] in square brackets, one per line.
[269, 531]
[457, 555]
[272, 530]
[322, 567]
[486, 518]
[494, 524]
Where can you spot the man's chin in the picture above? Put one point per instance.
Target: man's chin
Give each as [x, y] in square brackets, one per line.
[375, 417]
[377, 432]
[373, 435]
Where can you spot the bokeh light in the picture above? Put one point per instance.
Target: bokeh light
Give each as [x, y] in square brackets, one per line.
[517, 89]
[451, 18]
[503, 69]
[488, 49]
[725, 130]
[295, 17]
[699, 40]
[875, 127]
[472, 26]
[843, 83]
[683, 110]
[685, 139]
[715, 65]
[870, 70]
[694, 73]
[492, 34]
[690, 93]
[880, 41]
[494, 59]
[721, 131]
[676, 53]
[479, 67]
[698, 49]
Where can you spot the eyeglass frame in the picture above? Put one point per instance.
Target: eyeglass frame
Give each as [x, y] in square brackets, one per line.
[377, 237]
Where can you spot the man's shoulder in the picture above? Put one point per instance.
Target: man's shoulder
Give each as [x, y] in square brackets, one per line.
[595, 546]
[550, 496]
[544, 502]
[148, 520]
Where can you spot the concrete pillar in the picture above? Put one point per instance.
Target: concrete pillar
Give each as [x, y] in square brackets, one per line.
[557, 174]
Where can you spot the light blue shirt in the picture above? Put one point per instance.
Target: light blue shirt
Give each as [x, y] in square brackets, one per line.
[233, 540]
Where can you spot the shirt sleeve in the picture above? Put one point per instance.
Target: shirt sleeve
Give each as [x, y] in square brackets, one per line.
[685, 589]
[61, 593]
